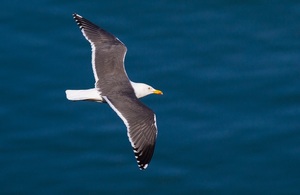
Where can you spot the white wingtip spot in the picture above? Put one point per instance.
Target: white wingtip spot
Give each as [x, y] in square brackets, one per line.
[143, 167]
[77, 15]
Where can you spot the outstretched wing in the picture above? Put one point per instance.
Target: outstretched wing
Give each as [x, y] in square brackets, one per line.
[141, 126]
[108, 53]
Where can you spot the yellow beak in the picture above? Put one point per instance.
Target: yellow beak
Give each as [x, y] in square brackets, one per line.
[157, 92]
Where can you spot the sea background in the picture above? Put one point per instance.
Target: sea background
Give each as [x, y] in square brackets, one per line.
[229, 119]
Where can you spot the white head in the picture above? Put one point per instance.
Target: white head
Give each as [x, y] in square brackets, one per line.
[142, 90]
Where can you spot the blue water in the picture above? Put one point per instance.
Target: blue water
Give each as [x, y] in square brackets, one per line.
[228, 120]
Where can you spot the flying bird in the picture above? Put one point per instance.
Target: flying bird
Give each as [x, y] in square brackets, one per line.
[113, 86]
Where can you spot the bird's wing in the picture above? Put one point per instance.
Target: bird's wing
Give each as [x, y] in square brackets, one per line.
[141, 126]
[108, 54]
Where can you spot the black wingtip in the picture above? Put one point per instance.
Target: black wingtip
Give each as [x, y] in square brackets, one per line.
[141, 165]
[75, 15]
[77, 18]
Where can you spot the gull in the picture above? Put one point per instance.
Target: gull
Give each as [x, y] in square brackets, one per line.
[112, 86]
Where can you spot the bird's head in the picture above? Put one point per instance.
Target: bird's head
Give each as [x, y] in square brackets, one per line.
[142, 90]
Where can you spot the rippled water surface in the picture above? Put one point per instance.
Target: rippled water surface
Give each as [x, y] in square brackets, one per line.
[228, 120]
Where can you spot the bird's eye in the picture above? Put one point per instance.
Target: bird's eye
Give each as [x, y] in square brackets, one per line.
[149, 88]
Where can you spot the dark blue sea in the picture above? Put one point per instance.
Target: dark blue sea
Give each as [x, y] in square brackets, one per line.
[229, 119]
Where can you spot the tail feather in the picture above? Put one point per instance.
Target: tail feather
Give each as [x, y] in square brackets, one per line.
[86, 94]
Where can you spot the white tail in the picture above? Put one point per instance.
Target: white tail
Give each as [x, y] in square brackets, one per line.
[86, 94]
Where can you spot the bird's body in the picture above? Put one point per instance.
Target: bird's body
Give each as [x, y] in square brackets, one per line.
[140, 90]
[113, 86]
